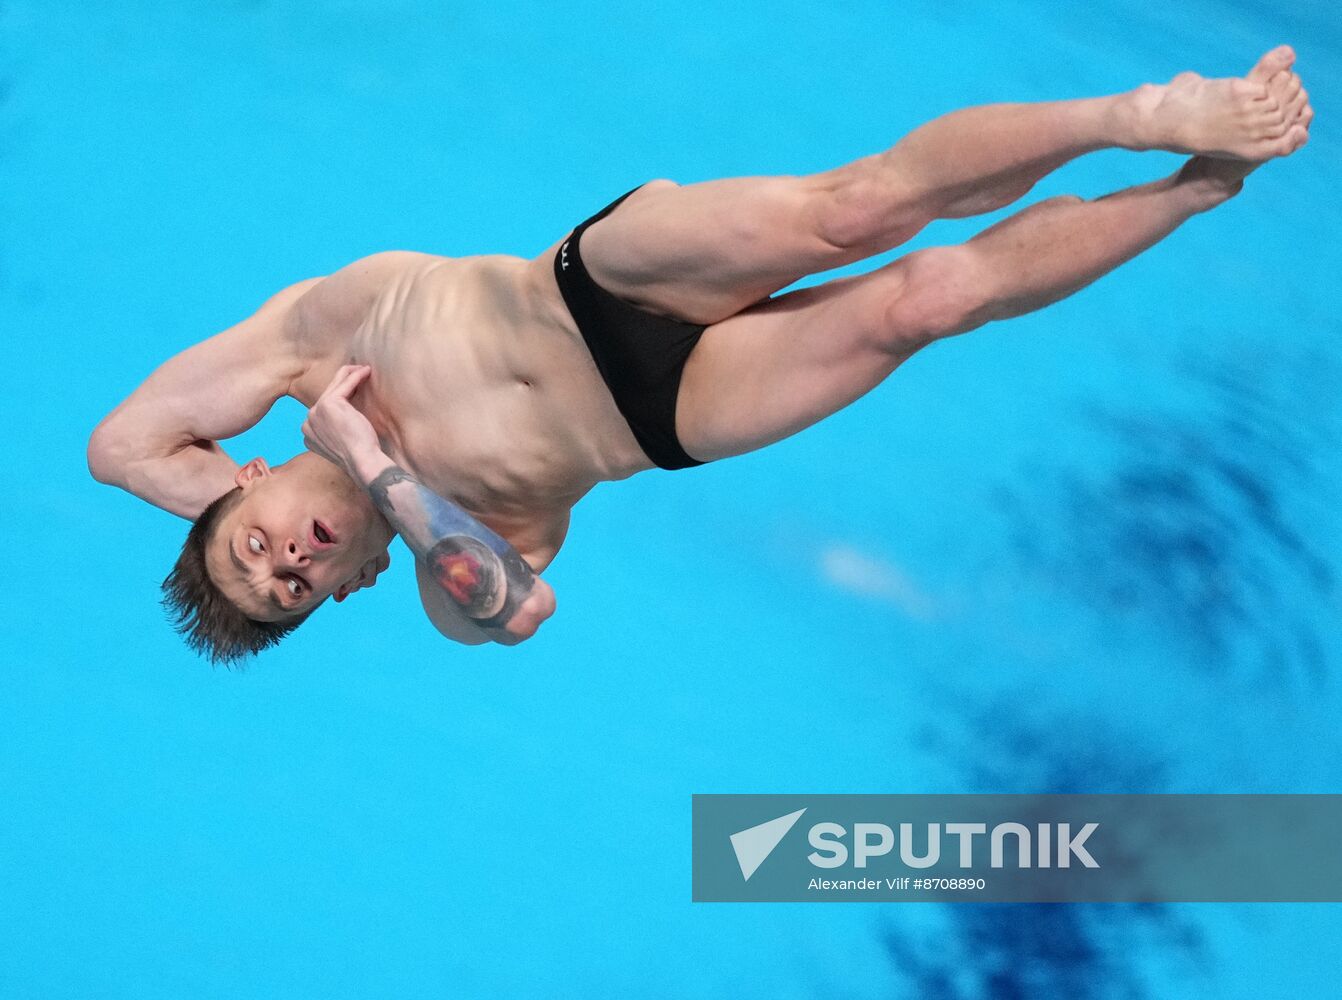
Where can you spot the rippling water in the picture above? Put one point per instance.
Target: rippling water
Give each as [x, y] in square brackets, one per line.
[1200, 527]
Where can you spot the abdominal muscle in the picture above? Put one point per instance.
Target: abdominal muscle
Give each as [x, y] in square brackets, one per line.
[483, 389]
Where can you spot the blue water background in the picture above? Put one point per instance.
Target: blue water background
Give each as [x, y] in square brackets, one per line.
[1092, 549]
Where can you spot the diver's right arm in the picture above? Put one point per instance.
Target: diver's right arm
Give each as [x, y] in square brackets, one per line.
[162, 442]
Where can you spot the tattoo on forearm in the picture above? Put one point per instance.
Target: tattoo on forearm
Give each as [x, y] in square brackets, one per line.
[386, 479]
[485, 576]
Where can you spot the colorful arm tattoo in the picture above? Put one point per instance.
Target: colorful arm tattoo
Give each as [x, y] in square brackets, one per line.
[485, 576]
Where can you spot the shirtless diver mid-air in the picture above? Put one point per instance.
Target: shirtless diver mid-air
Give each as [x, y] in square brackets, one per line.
[467, 404]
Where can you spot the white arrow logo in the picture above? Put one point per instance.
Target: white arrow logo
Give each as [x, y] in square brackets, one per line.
[754, 845]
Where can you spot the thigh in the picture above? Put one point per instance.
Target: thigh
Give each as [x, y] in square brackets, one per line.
[703, 252]
[780, 366]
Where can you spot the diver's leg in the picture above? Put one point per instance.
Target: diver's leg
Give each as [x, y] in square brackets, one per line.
[780, 366]
[981, 159]
[702, 252]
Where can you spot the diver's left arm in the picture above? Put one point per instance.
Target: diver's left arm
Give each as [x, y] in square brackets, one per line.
[491, 590]
[483, 585]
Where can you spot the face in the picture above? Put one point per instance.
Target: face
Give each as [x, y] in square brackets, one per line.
[300, 533]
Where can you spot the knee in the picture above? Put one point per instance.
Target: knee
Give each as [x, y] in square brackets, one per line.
[935, 293]
[863, 211]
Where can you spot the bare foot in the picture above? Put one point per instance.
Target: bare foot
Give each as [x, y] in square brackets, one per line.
[1219, 178]
[1287, 89]
[1247, 119]
[1215, 180]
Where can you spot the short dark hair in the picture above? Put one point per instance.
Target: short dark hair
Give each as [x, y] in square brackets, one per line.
[211, 624]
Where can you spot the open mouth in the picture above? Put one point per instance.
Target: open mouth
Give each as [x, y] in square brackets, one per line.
[322, 533]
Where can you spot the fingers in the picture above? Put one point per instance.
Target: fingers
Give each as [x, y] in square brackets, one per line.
[312, 441]
[347, 379]
[539, 605]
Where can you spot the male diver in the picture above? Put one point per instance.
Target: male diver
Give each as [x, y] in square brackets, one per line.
[467, 404]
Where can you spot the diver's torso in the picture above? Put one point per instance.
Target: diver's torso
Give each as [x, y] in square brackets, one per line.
[483, 389]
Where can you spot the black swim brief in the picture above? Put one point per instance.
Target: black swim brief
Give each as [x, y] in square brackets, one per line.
[639, 355]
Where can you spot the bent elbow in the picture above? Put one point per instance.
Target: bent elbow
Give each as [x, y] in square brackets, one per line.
[105, 455]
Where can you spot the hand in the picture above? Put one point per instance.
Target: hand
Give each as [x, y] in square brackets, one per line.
[539, 605]
[338, 432]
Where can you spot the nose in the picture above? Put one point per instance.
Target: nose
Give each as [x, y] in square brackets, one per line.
[291, 556]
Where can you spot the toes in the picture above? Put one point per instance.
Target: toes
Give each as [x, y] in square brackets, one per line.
[1296, 137]
[1283, 82]
[1282, 57]
[1283, 144]
[1254, 90]
[1267, 113]
[1275, 131]
[1298, 104]
[1284, 86]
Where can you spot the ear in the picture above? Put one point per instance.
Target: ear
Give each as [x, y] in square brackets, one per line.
[252, 472]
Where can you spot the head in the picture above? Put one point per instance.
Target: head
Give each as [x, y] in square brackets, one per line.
[263, 556]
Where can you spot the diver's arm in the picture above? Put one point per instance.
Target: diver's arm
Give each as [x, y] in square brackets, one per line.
[486, 579]
[487, 583]
[443, 612]
[161, 443]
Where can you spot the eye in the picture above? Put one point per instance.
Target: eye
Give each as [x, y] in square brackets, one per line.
[295, 587]
[254, 544]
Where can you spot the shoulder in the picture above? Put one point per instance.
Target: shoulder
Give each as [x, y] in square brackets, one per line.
[347, 294]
